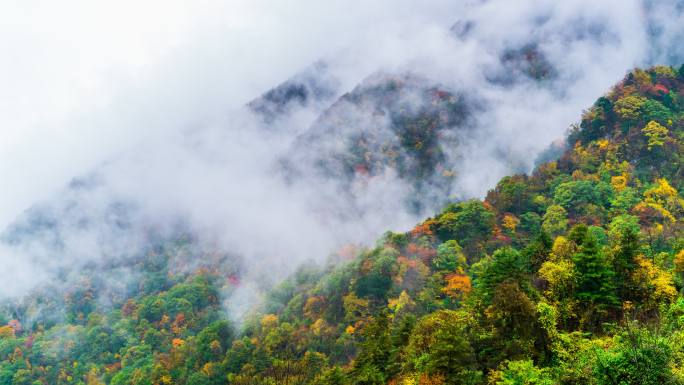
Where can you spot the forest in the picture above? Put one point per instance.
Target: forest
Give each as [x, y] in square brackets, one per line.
[572, 274]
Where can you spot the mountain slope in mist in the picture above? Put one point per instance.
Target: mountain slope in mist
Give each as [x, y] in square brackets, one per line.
[402, 125]
[568, 275]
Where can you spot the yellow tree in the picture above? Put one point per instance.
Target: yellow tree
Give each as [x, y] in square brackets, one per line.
[656, 134]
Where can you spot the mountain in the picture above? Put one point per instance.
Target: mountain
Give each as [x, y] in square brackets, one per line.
[570, 274]
[314, 85]
[400, 125]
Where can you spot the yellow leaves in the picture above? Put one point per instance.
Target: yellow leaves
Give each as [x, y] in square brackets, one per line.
[641, 77]
[560, 276]
[350, 330]
[679, 262]
[619, 182]
[628, 107]
[655, 284]
[458, 286]
[6, 332]
[269, 321]
[580, 153]
[562, 249]
[663, 199]
[318, 328]
[510, 222]
[664, 71]
[653, 210]
[656, 134]
[661, 192]
[602, 144]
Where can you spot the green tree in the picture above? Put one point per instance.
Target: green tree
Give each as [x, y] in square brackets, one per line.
[641, 357]
[505, 264]
[439, 345]
[466, 222]
[449, 257]
[555, 220]
[595, 276]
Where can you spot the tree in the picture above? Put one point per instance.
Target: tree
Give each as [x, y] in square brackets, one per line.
[653, 285]
[641, 357]
[655, 111]
[467, 222]
[595, 277]
[629, 107]
[439, 345]
[657, 134]
[374, 353]
[449, 257]
[574, 193]
[555, 220]
[505, 264]
[522, 372]
[514, 318]
[624, 240]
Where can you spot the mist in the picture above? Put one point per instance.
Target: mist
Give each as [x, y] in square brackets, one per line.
[121, 121]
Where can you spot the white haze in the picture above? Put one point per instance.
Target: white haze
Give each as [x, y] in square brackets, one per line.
[149, 95]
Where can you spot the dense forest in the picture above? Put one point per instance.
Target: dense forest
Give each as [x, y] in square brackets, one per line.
[569, 275]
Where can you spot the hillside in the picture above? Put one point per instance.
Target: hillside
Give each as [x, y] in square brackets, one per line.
[571, 275]
[401, 126]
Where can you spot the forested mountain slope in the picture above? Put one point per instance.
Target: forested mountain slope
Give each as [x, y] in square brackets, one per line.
[389, 126]
[571, 274]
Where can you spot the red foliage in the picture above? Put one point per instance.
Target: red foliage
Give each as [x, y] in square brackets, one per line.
[661, 88]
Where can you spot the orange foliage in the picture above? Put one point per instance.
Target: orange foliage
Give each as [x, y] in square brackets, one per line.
[422, 229]
[426, 379]
[458, 285]
[177, 342]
